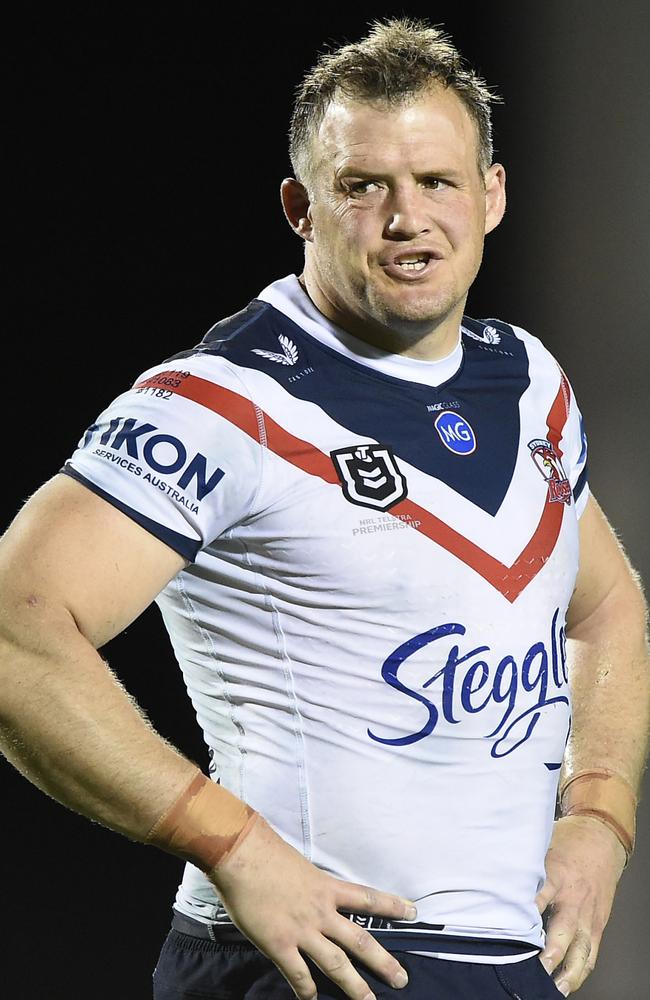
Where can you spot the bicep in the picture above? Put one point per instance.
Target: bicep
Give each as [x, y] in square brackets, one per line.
[71, 550]
[606, 580]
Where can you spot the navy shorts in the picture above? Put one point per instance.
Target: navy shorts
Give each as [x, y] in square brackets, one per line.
[195, 968]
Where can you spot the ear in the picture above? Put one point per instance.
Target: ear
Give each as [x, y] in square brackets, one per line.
[296, 205]
[495, 196]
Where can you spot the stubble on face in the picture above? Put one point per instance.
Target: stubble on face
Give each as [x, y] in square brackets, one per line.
[388, 181]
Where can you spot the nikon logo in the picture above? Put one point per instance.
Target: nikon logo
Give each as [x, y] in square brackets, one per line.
[163, 453]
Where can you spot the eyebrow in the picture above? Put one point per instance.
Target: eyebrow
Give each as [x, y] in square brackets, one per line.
[365, 174]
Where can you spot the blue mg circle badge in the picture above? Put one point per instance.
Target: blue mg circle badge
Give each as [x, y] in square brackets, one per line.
[455, 433]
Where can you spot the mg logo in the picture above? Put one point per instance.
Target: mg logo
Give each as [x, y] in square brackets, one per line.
[455, 433]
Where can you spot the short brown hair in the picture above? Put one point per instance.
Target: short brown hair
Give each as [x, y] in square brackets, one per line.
[398, 60]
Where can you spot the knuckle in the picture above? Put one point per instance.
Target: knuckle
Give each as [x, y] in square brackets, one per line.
[336, 961]
[563, 930]
[395, 904]
[278, 952]
[570, 970]
[363, 941]
[555, 950]
[301, 983]
[320, 911]
[307, 992]
[370, 898]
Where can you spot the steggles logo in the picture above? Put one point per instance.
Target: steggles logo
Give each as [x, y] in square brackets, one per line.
[288, 357]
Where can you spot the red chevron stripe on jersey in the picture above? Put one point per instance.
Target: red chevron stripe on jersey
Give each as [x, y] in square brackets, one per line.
[508, 580]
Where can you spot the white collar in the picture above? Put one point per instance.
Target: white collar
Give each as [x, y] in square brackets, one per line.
[288, 296]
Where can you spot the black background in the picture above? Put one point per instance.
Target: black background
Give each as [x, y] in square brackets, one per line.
[147, 151]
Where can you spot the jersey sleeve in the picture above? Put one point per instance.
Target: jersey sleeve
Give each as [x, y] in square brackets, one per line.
[179, 452]
[574, 446]
[565, 424]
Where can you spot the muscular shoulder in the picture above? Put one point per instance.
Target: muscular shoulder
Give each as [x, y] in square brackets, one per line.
[259, 331]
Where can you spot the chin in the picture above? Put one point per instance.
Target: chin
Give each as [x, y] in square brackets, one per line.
[423, 308]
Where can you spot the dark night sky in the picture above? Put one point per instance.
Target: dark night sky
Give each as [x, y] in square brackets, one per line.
[148, 151]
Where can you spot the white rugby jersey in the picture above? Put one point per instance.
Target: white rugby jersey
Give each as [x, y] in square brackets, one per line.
[371, 625]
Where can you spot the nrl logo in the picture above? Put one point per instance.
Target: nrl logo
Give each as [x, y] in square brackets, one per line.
[369, 475]
[489, 335]
[288, 357]
[548, 462]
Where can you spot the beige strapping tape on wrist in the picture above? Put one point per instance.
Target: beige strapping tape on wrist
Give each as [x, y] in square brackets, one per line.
[204, 824]
[606, 796]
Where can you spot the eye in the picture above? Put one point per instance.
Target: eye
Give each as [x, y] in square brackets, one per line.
[362, 187]
[435, 183]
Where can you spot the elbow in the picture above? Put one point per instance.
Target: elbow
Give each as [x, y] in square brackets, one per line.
[621, 615]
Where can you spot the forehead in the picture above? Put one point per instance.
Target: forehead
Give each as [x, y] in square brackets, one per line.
[432, 130]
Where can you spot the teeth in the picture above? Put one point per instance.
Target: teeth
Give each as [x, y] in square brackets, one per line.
[412, 265]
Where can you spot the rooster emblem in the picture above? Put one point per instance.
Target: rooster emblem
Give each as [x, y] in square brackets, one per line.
[548, 462]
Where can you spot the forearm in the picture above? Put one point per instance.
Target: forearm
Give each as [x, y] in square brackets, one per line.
[610, 687]
[68, 725]
[609, 675]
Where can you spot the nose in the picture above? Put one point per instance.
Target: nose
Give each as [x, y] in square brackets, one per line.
[407, 215]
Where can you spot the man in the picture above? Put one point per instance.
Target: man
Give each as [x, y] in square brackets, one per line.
[360, 512]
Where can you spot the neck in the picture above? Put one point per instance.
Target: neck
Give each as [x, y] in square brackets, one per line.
[426, 341]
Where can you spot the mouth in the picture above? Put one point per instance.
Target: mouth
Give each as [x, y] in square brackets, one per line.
[411, 266]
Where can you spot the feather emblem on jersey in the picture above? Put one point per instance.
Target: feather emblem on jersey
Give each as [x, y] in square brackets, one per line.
[289, 355]
[489, 335]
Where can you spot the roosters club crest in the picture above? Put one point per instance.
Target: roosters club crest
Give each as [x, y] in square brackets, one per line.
[548, 462]
[369, 475]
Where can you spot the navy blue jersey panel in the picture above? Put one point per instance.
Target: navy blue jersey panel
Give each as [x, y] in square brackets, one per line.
[464, 433]
[216, 339]
[580, 485]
